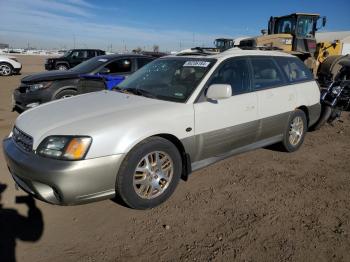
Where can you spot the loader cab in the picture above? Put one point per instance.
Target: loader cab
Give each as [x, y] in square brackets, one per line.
[301, 26]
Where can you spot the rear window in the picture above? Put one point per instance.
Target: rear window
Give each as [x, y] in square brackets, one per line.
[265, 73]
[294, 69]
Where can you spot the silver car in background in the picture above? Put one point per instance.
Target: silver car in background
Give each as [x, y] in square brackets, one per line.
[173, 116]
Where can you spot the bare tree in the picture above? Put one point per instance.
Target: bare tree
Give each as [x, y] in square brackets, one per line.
[137, 50]
[156, 48]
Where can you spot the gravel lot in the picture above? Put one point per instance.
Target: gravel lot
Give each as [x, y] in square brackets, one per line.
[264, 205]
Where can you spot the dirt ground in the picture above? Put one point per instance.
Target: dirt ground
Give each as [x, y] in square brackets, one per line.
[259, 206]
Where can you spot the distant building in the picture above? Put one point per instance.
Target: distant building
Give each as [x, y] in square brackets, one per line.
[3, 46]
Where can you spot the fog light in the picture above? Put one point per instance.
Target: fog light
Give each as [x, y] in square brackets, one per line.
[31, 105]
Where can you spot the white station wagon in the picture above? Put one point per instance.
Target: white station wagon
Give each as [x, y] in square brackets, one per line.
[175, 115]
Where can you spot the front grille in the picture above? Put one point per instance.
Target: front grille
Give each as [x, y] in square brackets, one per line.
[23, 140]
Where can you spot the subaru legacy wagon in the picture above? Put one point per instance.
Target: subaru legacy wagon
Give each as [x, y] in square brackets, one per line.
[175, 115]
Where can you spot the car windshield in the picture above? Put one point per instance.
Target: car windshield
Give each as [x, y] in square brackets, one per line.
[172, 79]
[89, 65]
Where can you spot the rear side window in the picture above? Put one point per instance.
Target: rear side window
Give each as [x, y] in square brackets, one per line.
[265, 73]
[119, 66]
[91, 53]
[294, 69]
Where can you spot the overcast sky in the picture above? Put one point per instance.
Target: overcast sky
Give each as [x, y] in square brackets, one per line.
[171, 24]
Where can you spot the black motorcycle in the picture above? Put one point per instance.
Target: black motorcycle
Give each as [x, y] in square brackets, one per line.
[334, 100]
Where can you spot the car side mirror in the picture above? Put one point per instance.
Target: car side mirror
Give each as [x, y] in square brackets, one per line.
[219, 91]
[324, 21]
[104, 71]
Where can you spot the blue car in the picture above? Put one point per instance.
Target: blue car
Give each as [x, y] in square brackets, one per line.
[111, 76]
[106, 70]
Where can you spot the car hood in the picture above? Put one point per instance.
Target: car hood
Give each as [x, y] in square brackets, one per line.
[115, 121]
[51, 75]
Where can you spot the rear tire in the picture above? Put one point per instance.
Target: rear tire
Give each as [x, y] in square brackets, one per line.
[65, 94]
[6, 69]
[295, 132]
[146, 180]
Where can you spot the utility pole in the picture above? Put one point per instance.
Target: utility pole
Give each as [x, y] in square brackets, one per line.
[74, 40]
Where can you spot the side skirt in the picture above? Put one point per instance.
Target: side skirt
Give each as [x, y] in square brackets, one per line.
[262, 143]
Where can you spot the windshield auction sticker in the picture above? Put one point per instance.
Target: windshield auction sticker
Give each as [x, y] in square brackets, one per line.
[197, 63]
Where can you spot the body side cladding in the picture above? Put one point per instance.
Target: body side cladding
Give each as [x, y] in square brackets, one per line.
[206, 162]
[236, 138]
[314, 113]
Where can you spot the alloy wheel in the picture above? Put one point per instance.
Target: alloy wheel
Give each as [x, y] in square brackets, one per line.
[153, 175]
[296, 131]
[5, 70]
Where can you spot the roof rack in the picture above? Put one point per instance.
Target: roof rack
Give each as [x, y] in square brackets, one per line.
[199, 51]
[264, 48]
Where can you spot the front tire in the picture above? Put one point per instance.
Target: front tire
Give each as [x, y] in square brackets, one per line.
[295, 132]
[62, 67]
[149, 173]
[66, 93]
[6, 69]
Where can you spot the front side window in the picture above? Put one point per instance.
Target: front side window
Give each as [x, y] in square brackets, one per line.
[172, 79]
[294, 69]
[120, 66]
[265, 73]
[79, 54]
[234, 72]
[285, 25]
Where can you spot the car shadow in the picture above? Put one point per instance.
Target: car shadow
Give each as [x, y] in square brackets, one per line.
[15, 226]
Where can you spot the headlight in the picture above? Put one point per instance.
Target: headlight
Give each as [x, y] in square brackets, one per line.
[38, 86]
[65, 147]
[336, 90]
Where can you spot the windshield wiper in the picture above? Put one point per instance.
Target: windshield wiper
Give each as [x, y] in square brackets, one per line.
[135, 91]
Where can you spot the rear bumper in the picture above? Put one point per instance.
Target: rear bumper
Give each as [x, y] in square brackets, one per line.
[62, 182]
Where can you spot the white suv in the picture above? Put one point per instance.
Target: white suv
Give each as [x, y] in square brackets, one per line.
[9, 66]
[173, 116]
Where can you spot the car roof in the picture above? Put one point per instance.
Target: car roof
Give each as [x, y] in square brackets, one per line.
[87, 49]
[233, 52]
[112, 56]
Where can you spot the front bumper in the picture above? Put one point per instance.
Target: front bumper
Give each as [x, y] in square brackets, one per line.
[49, 67]
[24, 101]
[62, 182]
[17, 70]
